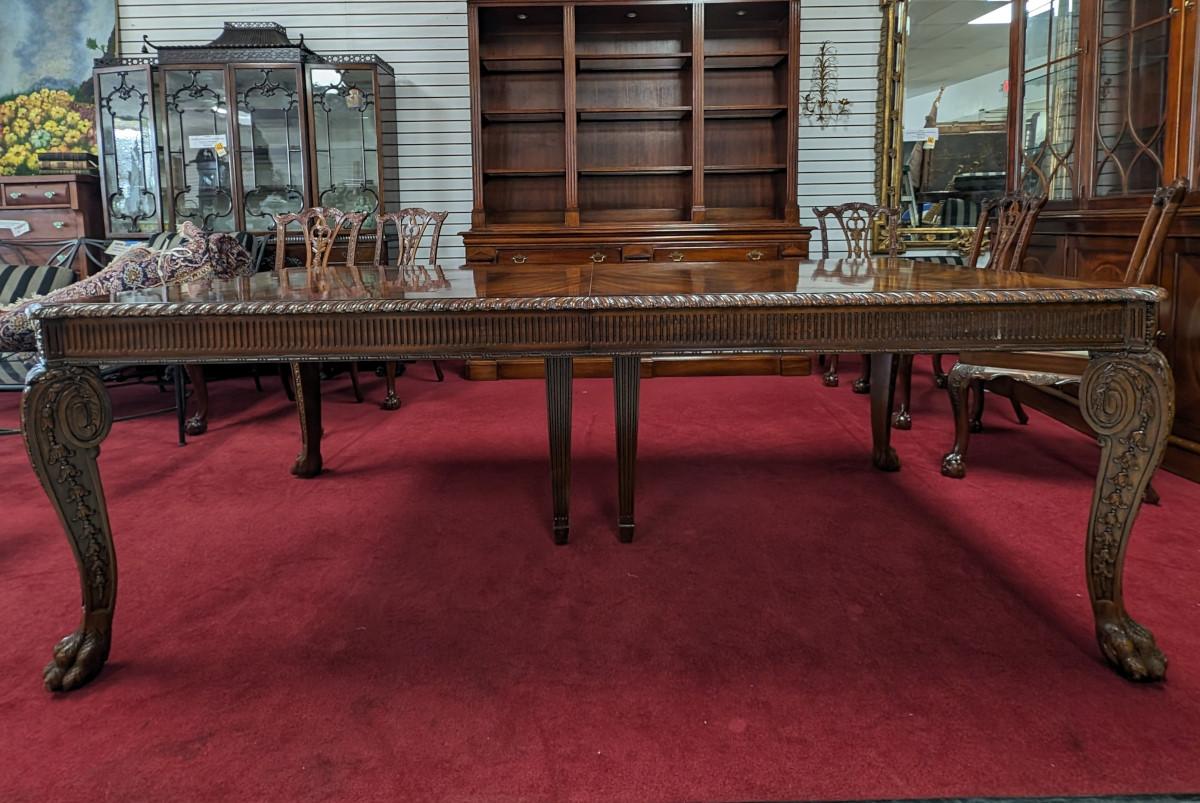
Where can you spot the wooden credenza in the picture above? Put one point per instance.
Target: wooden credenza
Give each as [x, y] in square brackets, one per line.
[56, 208]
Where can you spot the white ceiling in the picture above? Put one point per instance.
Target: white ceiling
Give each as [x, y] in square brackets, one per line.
[943, 49]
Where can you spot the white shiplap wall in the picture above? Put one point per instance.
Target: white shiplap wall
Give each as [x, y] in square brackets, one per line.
[426, 44]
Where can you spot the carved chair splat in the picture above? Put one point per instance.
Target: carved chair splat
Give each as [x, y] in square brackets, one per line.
[857, 222]
[321, 227]
[1006, 224]
[1058, 369]
[411, 225]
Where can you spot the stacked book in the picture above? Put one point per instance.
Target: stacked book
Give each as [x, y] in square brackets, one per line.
[68, 163]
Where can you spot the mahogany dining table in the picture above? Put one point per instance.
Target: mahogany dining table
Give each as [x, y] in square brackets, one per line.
[883, 307]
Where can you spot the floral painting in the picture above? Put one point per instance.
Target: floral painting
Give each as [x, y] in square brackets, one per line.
[46, 77]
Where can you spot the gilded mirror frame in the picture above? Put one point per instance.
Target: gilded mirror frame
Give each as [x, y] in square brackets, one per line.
[889, 139]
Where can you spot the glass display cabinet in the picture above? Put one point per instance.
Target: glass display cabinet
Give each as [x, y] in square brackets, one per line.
[231, 133]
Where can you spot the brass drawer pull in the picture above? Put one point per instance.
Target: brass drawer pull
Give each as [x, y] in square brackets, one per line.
[58, 224]
[599, 257]
[15, 195]
[49, 193]
[755, 255]
[676, 256]
[520, 259]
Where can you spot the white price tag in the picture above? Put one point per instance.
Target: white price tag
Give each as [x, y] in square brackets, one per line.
[926, 136]
[15, 227]
[214, 141]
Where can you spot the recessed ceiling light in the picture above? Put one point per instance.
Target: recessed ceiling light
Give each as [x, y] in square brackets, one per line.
[631, 14]
[741, 12]
[522, 16]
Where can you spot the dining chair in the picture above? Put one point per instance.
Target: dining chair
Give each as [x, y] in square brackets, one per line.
[857, 222]
[322, 230]
[1006, 225]
[974, 370]
[411, 225]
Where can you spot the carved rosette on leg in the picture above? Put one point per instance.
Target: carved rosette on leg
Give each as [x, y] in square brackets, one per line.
[1129, 400]
[65, 415]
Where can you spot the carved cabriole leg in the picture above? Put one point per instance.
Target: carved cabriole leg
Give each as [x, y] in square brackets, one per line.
[627, 374]
[197, 422]
[959, 382]
[558, 408]
[306, 376]
[863, 383]
[883, 384]
[830, 377]
[391, 401]
[902, 419]
[1129, 400]
[65, 414]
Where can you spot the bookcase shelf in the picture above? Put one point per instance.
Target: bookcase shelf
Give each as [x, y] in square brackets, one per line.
[597, 113]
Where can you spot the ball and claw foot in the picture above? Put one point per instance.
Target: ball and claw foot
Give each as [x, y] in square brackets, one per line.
[307, 466]
[830, 380]
[1130, 648]
[887, 460]
[77, 659]
[939, 380]
[196, 425]
[954, 466]
[862, 385]
[902, 420]
[975, 425]
[391, 402]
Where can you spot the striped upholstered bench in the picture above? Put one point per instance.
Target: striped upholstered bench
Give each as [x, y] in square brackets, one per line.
[17, 283]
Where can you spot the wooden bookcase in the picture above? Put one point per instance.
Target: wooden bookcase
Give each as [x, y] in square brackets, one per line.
[646, 131]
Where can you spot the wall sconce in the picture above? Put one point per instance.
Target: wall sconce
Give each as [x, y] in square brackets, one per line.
[819, 102]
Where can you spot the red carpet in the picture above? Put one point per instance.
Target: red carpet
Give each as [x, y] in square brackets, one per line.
[790, 624]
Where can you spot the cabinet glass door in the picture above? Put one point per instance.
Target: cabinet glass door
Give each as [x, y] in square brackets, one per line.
[125, 124]
[1131, 104]
[270, 150]
[346, 147]
[1050, 100]
[196, 109]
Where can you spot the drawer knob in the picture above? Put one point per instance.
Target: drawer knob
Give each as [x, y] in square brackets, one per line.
[676, 256]
[520, 259]
[15, 195]
[599, 257]
[58, 224]
[49, 193]
[755, 255]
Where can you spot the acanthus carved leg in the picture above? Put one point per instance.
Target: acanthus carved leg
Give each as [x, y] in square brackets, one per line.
[65, 415]
[959, 382]
[1129, 400]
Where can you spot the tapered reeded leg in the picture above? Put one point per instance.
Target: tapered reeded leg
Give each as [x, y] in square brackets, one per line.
[197, 422]
[883, 383]
[863, 383]
[959, 383]
[830, 377]
[558, 407]
[1129, 400]
[358, 394]
[627, 374]
[306, 376]
[391, 401]
[902, 418]
[939, 373]
[65, 415]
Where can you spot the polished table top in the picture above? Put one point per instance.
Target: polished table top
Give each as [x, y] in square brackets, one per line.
[832, 282]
